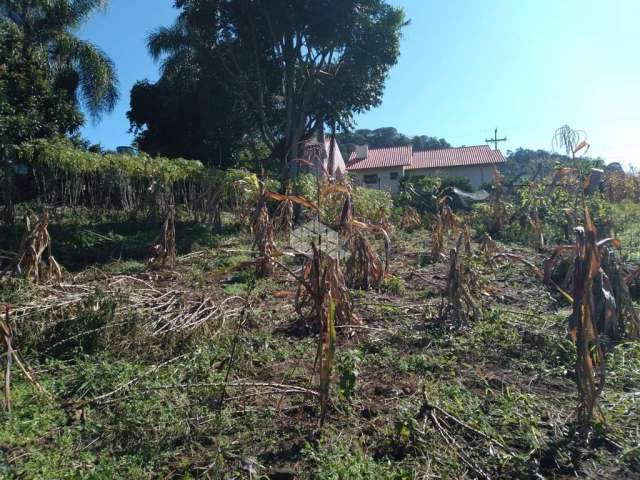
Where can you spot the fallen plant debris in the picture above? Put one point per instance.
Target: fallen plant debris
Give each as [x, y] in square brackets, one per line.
[11, 354]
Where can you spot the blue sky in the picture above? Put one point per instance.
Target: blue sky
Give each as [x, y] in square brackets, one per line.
[467, 66]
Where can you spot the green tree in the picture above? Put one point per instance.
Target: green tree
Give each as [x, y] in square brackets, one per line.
[294, 65]
[187, 118]
[45, 28]
[523, 165]
[387, 137]
[46, 74]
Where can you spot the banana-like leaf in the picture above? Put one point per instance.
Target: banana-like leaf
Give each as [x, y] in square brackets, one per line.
[293, 198]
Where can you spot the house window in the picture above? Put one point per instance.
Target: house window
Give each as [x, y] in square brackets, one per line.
[393, 176]
[369, 179]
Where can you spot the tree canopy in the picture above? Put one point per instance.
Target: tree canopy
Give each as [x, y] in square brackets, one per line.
[291, 67]
[43, 29]
[191, 118]
[388, 137]
[46, 74]
[525, 165]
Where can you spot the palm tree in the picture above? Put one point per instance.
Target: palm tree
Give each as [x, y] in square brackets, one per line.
[45, 28]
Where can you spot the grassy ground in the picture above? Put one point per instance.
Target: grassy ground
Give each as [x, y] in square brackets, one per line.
[234, 397]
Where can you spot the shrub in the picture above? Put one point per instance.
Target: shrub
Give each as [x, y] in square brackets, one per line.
[371, 205]
[427, 189]
[625, 218]
[462, 183]
[394, 285]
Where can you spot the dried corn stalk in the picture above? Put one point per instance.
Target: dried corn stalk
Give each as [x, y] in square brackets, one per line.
[488, 246]
[410, 219]
[459, 306]
[590, 354]
[164, 248]
[313, 272]
[536, 226]
[346, 221]
[323, 298]
[263, 241]
[283, 219]
[498, 208]
[629, 320]
[364, 268]
[35, 243]
[437, 239]
[466, 232]
[449, 220]
[614, 314]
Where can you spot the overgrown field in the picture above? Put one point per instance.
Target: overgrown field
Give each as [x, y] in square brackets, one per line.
[206, 371]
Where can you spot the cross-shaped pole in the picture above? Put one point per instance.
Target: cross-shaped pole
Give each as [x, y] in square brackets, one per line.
[495, 139]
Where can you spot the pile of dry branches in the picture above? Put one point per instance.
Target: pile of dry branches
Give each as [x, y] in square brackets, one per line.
[162, 310]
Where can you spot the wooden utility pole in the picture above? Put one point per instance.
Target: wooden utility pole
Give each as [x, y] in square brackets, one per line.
[495, 139]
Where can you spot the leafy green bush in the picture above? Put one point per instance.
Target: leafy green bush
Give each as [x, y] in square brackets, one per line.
[462, 183]
[369, 205]
[344, 460]
[61, 156]
[394, 285]
[427, 189]
[305, 185]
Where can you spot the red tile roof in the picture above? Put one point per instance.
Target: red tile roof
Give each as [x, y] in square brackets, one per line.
[406, 157]
[456, 157]
[382, 158]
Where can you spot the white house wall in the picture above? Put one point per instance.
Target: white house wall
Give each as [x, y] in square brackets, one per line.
[384, 178]
[478, 175]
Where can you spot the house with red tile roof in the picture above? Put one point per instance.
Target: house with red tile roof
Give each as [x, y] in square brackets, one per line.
[383, 168]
